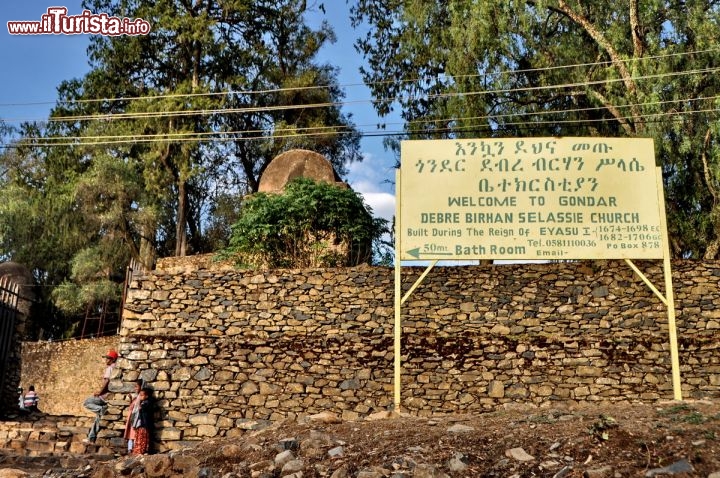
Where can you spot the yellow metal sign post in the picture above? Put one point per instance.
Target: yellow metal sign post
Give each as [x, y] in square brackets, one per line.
[397, 328]
[531, 198]
[670, 299]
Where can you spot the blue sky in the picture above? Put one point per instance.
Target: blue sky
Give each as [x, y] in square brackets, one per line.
[32, 66]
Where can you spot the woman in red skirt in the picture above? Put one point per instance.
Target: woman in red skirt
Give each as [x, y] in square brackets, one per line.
[143, 423]
[129, 434]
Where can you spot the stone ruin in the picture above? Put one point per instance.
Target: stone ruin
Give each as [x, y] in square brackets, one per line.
[17, 293]
[303, 163]
[297, 163]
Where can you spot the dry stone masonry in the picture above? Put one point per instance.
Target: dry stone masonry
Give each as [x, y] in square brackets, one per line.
[227, 350]
[64, 373]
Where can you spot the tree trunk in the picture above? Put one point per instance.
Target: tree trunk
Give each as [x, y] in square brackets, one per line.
[147, 244]
[599, 37]
[180, 229]
[711, 252]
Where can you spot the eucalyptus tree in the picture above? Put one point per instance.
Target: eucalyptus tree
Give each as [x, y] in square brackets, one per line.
[201, 104]
[458, 68]
[40, 224]
[269, 64]
[150, 152]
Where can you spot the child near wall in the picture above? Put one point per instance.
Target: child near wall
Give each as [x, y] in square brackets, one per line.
[31, 399]
[129, 434]
[143, 422]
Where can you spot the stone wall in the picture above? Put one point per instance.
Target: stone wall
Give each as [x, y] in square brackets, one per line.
[64, 373]
[226, 348]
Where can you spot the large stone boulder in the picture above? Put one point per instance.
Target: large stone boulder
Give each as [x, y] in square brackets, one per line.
[297, 163]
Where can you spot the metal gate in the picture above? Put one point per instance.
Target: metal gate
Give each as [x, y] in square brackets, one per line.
[8, 313]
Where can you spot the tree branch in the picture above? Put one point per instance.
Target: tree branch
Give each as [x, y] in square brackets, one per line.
[711, 251]
[636, 30]
[617, 62]
[613, 110]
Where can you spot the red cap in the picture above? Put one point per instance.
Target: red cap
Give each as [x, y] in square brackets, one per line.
[112, 354]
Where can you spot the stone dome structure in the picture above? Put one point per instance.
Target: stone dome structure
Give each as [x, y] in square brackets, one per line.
[325, 249]
[297, 163]
[16, 273]
[15, 314]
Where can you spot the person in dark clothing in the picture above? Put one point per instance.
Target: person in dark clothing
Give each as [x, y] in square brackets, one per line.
[31, 399]
[143, 422]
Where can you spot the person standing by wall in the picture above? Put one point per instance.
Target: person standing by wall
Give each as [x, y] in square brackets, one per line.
[97, 403]
[134, 404]
[143, 422]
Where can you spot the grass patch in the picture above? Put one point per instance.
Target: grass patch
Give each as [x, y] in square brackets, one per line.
[683, 412]
[694, 417]
[677, 409]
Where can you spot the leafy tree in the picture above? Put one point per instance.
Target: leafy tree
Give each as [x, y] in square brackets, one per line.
[40, 224]
[309, 224]
[145, 154]
[238, 71]
[92, 291]
[558, 67]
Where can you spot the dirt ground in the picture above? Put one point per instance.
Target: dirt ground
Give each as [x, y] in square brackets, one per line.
[621, 440]
[679, 439]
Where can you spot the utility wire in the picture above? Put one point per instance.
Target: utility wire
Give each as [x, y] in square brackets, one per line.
[315, 130]
[257, 109]
[222, 137]
[553, 112]
[181, 134]
[315, 87]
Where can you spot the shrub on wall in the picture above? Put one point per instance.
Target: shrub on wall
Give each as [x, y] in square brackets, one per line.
[309, 224]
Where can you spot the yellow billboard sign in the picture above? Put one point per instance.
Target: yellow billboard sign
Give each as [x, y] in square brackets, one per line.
[530, 198]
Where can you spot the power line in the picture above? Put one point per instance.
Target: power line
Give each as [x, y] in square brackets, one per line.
[293, 132]
[315, 87]
[651, 118]
[565, 111]
[257, 109]
[317, 130]
[181, 134]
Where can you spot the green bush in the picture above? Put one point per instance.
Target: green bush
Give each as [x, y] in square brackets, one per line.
[309, 224]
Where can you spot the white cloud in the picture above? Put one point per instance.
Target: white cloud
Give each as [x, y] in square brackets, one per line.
[382, 204]
[375, 181]
[376, 174]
